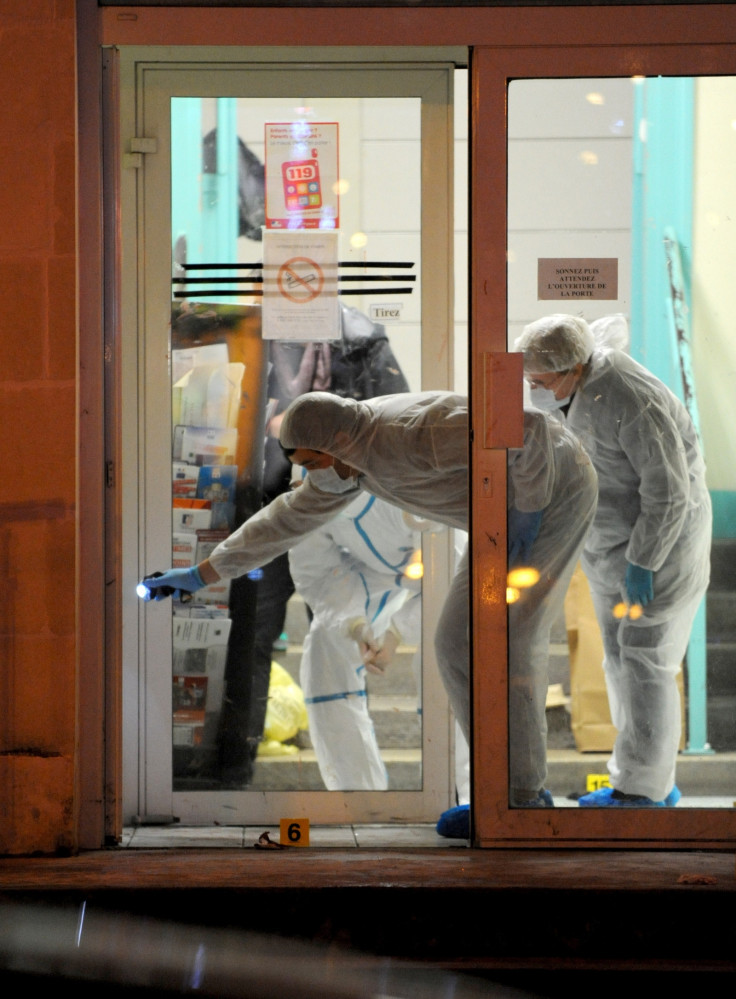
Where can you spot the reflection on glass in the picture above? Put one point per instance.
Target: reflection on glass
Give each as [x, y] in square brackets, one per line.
[277, 684]
[619, 220]
[353, 574]
[218, 410]
[552, 498]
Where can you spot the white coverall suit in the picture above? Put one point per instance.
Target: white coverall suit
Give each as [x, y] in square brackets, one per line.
[410, 449]
[550, 473]
[654, 511]
[349, 570]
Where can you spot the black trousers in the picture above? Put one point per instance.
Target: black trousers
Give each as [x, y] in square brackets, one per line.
[258, 612]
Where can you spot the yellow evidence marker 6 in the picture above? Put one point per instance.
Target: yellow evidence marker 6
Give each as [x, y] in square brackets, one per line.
[294, 832]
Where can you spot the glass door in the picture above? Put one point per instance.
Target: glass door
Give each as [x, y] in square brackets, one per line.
[622, 226]
[251, 702]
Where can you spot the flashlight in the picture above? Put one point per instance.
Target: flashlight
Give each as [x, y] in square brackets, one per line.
[145, 593]
[159, 592]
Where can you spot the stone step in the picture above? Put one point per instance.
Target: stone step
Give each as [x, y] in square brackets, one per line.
[568, 771]
[301, 773]
[723, 565]
[721, 616]
[398, 681]
[721, 726]
[559, 665]
[396, 721]
[721, 667]
[705, 774]
[397, 724]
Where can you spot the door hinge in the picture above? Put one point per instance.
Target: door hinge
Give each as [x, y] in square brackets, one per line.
[139, 146]
[109, 474]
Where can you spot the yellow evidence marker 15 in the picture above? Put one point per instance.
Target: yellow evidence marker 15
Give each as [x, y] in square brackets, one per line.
[593, 782]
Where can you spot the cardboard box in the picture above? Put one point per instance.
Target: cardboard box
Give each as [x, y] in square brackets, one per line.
[183, 549]
[189, 699]
[205, 445]
[190, 515]
[590, 718]
[184, 480]
[189, 735]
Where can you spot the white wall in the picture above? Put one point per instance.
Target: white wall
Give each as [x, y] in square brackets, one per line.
[570, 188]
[714, 281]
[569, 191]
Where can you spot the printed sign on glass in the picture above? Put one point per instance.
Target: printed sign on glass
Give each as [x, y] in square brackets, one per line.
[301, 175]
[300, 286]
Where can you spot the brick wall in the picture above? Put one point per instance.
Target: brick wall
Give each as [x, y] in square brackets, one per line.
[38, 418]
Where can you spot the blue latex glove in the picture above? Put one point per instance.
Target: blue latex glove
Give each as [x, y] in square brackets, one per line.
[523, 530]
[174, 582]
[639, 584]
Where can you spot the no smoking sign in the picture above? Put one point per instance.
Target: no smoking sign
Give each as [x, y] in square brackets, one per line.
[300, 279]
[300, 300]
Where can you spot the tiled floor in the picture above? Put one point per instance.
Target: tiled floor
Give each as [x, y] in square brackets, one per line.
[233, 837]
[175, 836]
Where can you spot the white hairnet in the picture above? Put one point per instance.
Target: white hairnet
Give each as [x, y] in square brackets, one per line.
[318, 421]
[555, 343]
[611, 331]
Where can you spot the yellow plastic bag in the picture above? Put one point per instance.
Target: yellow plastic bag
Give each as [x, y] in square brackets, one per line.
[286, 712]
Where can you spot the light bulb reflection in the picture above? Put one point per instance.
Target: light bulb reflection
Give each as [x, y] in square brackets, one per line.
[633, 611]
[512, 594]
[300, 129]
[523, 577]
[415, 570]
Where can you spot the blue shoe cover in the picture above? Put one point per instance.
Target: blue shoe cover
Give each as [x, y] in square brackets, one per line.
[673, 797]
[543, 800]
[596, 799]
[603, 798]
[455, 823]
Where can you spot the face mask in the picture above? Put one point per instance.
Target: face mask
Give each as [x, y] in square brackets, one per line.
[329, 481]
[544, 398]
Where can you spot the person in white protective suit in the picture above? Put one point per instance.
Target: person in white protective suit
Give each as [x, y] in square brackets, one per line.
[552, 496]
[552, 503]
[352, 574]
[411, 449]
[649, 548]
